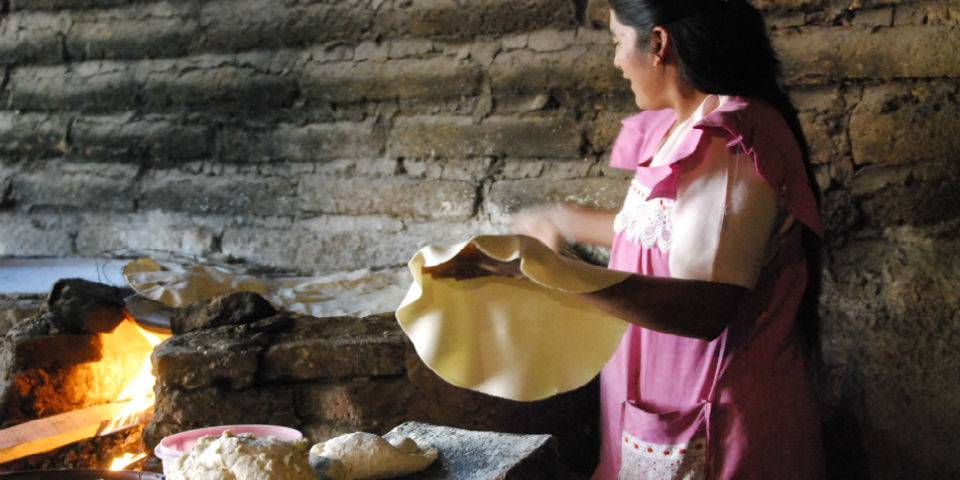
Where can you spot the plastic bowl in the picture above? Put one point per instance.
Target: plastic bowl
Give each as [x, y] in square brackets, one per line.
[80, 475]
[172, 447]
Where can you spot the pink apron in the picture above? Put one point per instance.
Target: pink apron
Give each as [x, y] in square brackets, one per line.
[742, 405]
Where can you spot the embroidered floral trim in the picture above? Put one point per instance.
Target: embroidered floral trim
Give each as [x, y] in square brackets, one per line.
[647, 223]
[645, 460]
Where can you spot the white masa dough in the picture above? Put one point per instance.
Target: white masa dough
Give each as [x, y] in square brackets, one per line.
[522, 339]
[243, 457]
[361, 456]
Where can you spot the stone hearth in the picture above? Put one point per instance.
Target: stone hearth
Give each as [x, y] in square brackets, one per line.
[235, 359]
[335, 375]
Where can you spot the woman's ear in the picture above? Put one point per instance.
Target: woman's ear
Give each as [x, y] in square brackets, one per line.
[659, 45]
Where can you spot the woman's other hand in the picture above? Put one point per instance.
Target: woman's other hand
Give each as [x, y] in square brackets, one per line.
[472, 263]
[560, 224]
[539, 223]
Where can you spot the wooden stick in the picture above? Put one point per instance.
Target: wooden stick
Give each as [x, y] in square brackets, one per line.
[45, 434]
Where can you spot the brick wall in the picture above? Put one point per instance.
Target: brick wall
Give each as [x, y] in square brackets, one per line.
[328, 135]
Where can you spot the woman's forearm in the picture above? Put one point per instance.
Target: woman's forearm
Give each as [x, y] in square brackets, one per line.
[690, 308]
[584, 225]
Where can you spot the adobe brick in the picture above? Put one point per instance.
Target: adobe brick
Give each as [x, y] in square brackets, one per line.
[336, 243]
[451, 19]
[906, 123]
[58, 4]
[346, 82]
[93, 86]
[107, 187]
[819, 54]
[102, 85]
[822, 117]
[402, 198]
[106, 231]
[309, 143]
[182, 84]
[787, 4]
[32, 37]
[129, 34]
[228, 193]
[605, 129]
[580, 67]
[37, 234]
[35, 135]
[458, 137]
[945, 13]
[509, 196]
[122, 137]
[909, 194]
[231, 25]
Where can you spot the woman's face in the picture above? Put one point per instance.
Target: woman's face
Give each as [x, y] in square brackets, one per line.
[641, 67]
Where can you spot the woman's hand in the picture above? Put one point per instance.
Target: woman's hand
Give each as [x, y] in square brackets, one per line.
[560, 224]
[472, 263]
[539, 223]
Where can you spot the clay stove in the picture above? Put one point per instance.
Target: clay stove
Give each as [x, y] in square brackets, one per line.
[235, 359]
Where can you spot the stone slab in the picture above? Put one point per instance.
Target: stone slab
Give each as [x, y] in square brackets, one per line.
[470, 455]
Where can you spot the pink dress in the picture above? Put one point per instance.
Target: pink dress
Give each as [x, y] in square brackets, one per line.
[722, 198]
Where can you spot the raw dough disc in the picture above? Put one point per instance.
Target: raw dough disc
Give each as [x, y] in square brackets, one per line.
[522, 339]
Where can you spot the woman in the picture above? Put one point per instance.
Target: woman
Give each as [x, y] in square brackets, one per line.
[711, 378]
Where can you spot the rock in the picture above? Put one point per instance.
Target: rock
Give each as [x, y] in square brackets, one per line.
[180, 410]
[232, 309]
[361, 403]
[335, 348]
[82, 307]
[16, 310]
[34, 344]
[227, 355]
[469, 455]
[37, 370]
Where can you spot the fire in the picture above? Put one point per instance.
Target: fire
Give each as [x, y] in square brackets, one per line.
[125, 460]
[138, 394]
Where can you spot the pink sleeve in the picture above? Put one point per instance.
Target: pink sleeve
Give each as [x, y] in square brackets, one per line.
[724, 218]
[763, 136]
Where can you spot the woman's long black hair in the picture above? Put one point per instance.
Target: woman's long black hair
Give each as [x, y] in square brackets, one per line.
[721, 47]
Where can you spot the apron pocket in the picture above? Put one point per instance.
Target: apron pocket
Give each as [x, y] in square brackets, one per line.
[663, 446]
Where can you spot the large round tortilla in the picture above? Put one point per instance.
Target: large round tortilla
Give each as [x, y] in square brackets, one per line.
[518, 338]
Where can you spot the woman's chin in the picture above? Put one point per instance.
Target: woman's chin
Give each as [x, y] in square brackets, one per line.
[639, 99]
[642, 103]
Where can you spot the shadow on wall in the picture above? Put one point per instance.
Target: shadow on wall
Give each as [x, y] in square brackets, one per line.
[843, 447]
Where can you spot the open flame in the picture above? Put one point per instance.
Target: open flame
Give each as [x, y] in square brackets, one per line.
[125, 460]
[138, 392]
